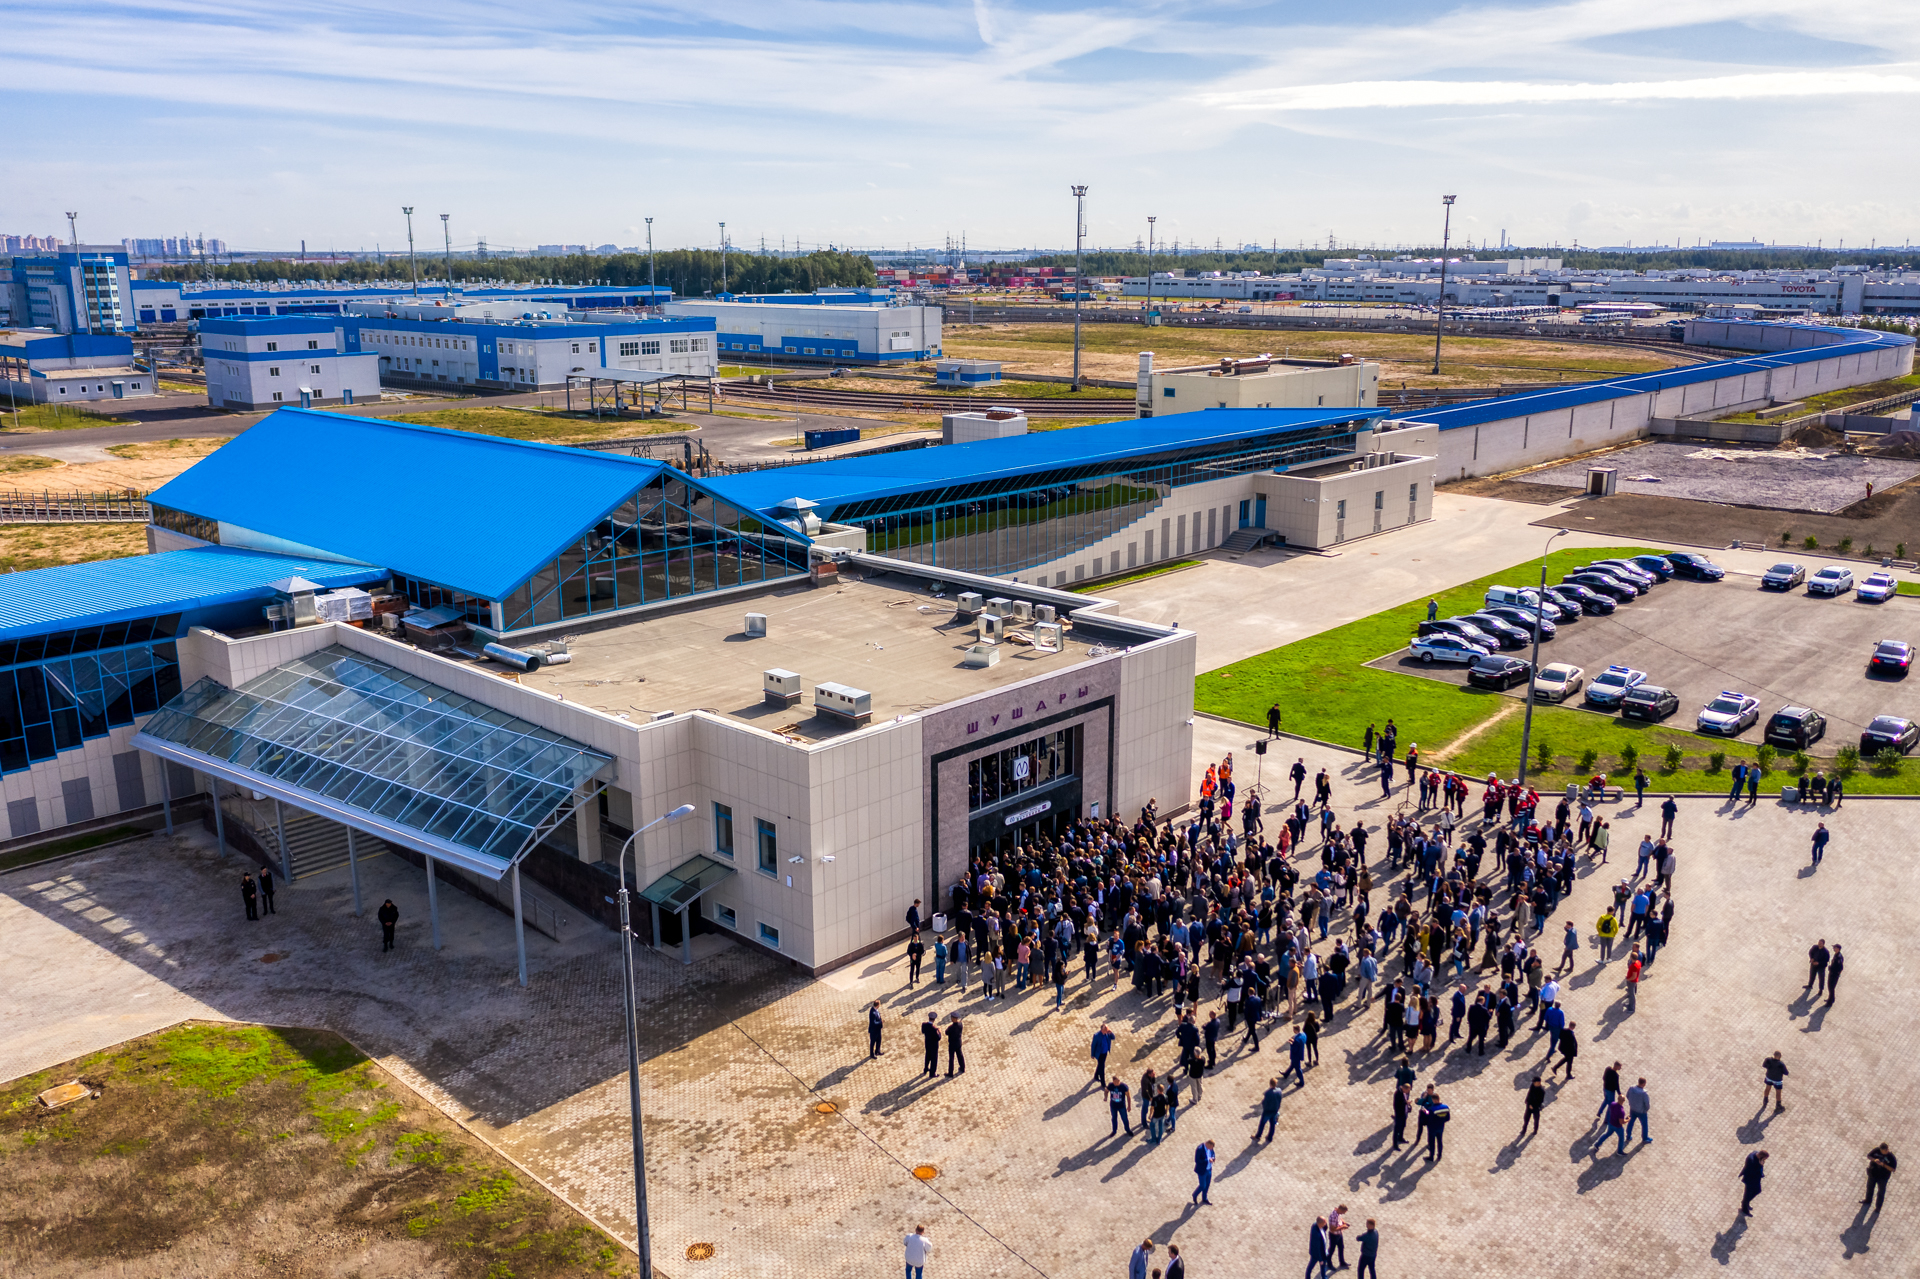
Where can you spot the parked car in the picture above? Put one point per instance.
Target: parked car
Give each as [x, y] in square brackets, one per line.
[1636, 589]
[1648, 702]
[1889, 730]
[1831, 581]
[1526, 619]
[1693, 565]
[1509, 635]
[1581, 600]
[1729, 714]
[1497, 672]
[1557, 681]
[1441, 647]
[1455, 626]
[1783, 576]
[1878, 588]
[1523, 597]
[1601, 584]
[1629, 570]
[1610, 685]
[1654, 564]
[1890, 657]
[1796, 727]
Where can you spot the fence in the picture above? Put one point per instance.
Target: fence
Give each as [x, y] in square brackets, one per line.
[74, 507]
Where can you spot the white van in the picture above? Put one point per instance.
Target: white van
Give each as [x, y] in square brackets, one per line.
[1513, 596]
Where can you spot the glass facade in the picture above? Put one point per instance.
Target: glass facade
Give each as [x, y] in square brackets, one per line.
[1012, 772]
[1012, 523]
[671, 540]
[366, 736]
[180, 522]
[61, 690]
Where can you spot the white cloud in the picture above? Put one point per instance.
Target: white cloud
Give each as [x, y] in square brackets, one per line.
[1376, 94]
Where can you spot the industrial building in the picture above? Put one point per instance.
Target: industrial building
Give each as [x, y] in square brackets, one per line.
[531, 351]
[40, 366]
[1261, 383]
[75, 289]
[169, 302]
[820, 332]
[265, 362]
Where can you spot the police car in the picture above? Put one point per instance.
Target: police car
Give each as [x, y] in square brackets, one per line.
[1610, 685]
[1729, 714]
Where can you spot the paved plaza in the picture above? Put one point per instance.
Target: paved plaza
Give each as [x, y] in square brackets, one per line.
[741, 1052]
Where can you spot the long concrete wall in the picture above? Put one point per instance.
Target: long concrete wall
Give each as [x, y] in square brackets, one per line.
[1481, 439]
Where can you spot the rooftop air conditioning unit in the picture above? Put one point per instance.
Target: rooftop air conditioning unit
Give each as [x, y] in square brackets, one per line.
[999, 606]
[1043, 613]
[1023, 610]
[852, 706]
[969, 603]
[780, 688]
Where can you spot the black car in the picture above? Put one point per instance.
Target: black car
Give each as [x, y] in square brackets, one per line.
[1640, 587]
[1599, 583]
[1648, 702]
[1654, 564]
[1783, 576]
[1525, 619]
[1889, 730]
[1580, 600]
[1796, 727]
[1691, 564]
[1497, 672]
[1890, 657]
[1456, 626]
[1509, 635]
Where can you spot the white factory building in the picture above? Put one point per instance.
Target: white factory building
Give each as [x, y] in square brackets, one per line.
[809, 332]
[266, 362]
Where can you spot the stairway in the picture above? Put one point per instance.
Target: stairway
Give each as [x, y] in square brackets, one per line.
[1246, 539]
[314, 844]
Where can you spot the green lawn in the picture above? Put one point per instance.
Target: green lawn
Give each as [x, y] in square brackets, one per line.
[54, 417]
[1169, 567]
[1327, 692]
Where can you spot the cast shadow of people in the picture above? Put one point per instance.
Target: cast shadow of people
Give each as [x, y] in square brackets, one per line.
[1858, 1236]
[1727, 1240]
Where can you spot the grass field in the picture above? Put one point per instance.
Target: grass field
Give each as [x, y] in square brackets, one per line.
[24, 546]
[1169, 567]
[216, 1149]
[61, 847]
[55, 417]
[1834, 401]
[1326, 692]
[20, 463]
[1112, 351]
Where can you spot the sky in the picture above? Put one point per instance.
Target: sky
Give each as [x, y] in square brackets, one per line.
[888, 125]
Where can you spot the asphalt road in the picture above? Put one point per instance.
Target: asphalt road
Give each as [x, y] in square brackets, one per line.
[1698, 638]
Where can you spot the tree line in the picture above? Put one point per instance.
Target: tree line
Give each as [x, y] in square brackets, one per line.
[1110, 262]
[688, 272]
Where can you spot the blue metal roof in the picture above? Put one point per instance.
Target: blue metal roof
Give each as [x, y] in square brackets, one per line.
[70, 597]
[474, 512]
[836, 481]
[1476, 412]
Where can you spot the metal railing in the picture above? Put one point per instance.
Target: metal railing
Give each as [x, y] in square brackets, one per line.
[74, 507]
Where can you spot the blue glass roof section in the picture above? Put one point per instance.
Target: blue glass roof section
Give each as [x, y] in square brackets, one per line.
[477, 513]
[837, 481]
[73, 596]
[341, 734]
[1476, 412]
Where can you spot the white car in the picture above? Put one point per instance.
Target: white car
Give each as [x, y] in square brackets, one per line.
[1557, 681]
[1729, 714]
[1877, 587]
[1831, 580]
[1441, 647]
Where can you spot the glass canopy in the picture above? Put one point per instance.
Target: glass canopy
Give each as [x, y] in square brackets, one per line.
[349, 737]
[685, 882]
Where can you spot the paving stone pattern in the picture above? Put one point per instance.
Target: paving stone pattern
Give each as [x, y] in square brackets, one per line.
[740, 1050]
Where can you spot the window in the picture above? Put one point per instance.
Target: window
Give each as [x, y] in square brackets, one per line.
[1413, 492]
[591, 347]
[807, 350]
[1167, 392]
[725, 916]
[789, 350]
[769, 847]
[677, 346]
[276, 396]
[576, 348]
[699, 344]
[313, 368]
[273, 346]
[1379, 499]
[1006, 774]
[313, 346]
[650, 348]
[770, 935]
[629, 348]
[273, 372]
[723, 830]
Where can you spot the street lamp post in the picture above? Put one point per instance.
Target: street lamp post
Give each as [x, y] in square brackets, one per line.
[1079, 278]
[633, 1047]
[1150, 221]
[413, 271]
[446, 231]
[649, 261]
[1539, 620]
[1440, 309]
[723, 257]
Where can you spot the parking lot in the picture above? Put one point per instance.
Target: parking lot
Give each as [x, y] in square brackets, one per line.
[1698, 638]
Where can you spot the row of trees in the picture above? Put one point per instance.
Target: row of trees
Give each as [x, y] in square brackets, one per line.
[1107, 262]
[688, 272]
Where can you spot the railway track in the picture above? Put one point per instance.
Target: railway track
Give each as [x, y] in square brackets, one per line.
[802, 397]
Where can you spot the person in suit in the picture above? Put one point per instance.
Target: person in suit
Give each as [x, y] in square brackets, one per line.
[1176, 1268]
[1141, 1258]
[875, 1023]
[930, 1038]
[956, 1056]
[247, 895]
[1402, 1107]
[1438, 1114]
[388, 915]
[1835, 966]
[1752, 1173]
[1269, 1110]
[1318, 1248]
[1203, 1171]
[266, 892]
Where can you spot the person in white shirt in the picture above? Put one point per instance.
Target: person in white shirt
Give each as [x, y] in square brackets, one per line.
[918, 1246]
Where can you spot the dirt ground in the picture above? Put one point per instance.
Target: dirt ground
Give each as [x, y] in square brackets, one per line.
[25, 546]
[232, 1149]
[1888, 521]
[1113, 351]
[95, 470]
